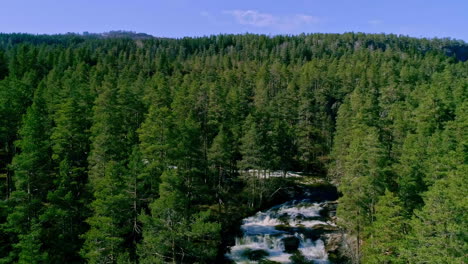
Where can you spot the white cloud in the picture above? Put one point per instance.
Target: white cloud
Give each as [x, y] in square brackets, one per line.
[258, 19]
[252, 18]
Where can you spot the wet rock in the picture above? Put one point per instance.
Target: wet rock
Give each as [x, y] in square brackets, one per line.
[291, 244]
[298, 258]
[255, 254]
[281, 231]
[329, 209]
[335, 248]
[333, 241]
[326, 227]
[266, 261]
[284, 218]
[285, 228]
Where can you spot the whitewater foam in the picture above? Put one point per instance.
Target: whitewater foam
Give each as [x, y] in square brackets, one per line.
[265, 232]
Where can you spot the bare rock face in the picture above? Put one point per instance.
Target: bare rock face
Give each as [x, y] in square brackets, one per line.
[333, 237]
[333, 241]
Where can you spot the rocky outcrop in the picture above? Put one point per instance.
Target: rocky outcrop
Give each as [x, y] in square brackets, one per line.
[333, 241]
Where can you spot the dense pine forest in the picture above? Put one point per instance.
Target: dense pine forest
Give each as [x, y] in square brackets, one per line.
[124, 149]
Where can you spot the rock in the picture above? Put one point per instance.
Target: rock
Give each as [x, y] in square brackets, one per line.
[326, 227]
[283, 228]
[291, 244]
[333, 241]
[329, 209]
[255, 254]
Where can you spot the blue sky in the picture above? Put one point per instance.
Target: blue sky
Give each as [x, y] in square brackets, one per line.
[178, 18]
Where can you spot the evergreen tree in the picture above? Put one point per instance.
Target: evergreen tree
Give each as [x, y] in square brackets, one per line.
[387, 232]
[171, 234]
[110, 222]
[111, 218]
[439, 228]
[65, 210]
[32, 168]
[222, 163]
[411, 172]
[361, 185]
[164, 230]
[156, 137]
[111, 128]
[30, 247]
[253, 147]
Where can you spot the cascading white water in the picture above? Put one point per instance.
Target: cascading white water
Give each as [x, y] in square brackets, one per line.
[266, 232]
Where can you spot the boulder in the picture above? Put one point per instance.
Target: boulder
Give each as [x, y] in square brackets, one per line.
[291, 244]
[333, 241]
[255, 254]
[326, 227]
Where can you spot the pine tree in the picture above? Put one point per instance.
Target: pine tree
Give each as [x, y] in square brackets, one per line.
[171, 234]
[361, 185]
[111, 218]
[439, 228]
[204, 237]
[411, 172]
[252, 148]
[110, 222]
[65, 210]
[15, 98]
[254, 160]
[164, 230]
[32, 168]
[156, 137]
[30, 247]
[309, 139]
[283, 147]
[387, 232]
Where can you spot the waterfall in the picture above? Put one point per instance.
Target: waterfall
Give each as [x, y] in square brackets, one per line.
[281, 232]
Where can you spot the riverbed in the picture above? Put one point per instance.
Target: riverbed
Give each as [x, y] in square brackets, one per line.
[291, 232]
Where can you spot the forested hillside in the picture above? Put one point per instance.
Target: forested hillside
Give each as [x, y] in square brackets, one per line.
[130, 150]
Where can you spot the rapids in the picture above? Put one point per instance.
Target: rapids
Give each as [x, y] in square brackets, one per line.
[282, 233]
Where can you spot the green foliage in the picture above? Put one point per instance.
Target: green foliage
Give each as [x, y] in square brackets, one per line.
[65, 210]
[172, 233]
[136, 149]
[156, 144]
[104, 240]
[387, 232]
[254, 146]
[164, 230]
[29, 247]
[32, 182]
[204, 237]
[439, 228]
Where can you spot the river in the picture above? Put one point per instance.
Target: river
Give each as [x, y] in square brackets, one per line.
[292, 232]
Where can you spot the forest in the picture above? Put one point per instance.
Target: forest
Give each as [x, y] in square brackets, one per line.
[123, 149]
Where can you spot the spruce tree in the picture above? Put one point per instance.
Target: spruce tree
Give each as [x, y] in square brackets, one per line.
[439, 228]
[387, 233]
[111, 209]
[65, 209]
[361, 185]
[164, 230]
[32, 169]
